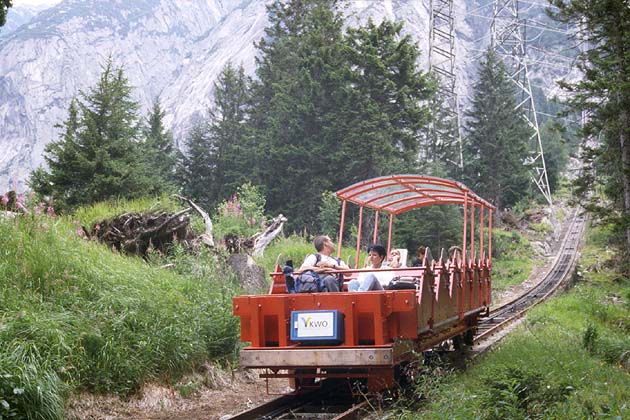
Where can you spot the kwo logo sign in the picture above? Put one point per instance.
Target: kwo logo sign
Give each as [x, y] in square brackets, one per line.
[315, 324]
[309, 322]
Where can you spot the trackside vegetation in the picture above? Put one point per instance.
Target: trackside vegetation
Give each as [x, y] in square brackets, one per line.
[568, 360]
[76, 316]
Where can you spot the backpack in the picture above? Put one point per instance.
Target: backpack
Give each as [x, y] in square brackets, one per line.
[310, 282]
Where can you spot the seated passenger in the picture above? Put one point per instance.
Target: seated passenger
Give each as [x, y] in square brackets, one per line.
[394, 260]
[376, 280]
[322, 262]
[455, 254]
[424, 253]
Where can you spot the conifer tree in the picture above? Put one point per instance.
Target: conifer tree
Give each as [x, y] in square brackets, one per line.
[496, 144]
[299, 71]
[195, 167]
[98, 156]
[159, 149]
[233, 152]
[331, 108]
[556, 156]
[384, 116]
[604, 27]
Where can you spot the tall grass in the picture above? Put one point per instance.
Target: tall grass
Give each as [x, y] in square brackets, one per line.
[76, 316]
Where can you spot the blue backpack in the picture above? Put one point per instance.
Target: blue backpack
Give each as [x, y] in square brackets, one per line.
[311, 282]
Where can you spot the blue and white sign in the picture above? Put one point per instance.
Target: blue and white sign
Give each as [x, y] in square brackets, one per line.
[317, 326]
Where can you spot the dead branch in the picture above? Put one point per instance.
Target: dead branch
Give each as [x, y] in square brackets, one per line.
[262, 240]
[206, 237]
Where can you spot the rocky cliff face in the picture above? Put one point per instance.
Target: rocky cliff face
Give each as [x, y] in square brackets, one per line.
[171, 48]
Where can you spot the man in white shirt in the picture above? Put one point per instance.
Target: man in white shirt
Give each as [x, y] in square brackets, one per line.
[322, 263]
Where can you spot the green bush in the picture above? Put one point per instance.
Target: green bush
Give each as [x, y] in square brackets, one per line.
[519, 392]
[29, 391]
[241, 215]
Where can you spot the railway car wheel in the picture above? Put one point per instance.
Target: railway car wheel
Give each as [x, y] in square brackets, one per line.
[303, 380]
[458, 342]
[469, 336]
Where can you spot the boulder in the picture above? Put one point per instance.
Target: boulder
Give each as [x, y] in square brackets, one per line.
[252, 277]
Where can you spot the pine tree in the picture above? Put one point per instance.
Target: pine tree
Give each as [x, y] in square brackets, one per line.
[556, 156]
[331, 108]
[234, 154]
[496, 144]
[384, 116]
[604, 27]
[98, 156]
[294, 103]
[195, 167]
[158, 148]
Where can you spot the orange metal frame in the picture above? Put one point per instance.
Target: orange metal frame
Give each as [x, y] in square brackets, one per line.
[449, 295]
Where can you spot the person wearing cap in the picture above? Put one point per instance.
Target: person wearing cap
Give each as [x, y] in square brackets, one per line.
[376, 280]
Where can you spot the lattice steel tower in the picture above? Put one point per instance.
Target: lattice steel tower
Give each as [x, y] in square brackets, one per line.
[508, 42]
[442, 63]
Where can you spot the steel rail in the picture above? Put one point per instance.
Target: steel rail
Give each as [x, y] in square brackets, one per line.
[563, 266]
[327, 403]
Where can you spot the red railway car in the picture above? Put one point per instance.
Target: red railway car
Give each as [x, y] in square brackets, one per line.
[369, 335]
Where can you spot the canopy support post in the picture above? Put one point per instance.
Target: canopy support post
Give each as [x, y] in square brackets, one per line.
[343, 218]
[356, 260]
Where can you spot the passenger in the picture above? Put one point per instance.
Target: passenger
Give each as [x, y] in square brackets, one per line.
[324, 263]
[377, 280]
[394, 259]
[423, 253]
[455, 254]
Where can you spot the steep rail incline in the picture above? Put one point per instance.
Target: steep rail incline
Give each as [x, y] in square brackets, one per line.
[561, 269]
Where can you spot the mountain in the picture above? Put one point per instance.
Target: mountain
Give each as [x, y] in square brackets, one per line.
[171, 48]
[20, 15]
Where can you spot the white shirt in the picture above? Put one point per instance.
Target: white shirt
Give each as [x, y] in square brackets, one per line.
[311, 260]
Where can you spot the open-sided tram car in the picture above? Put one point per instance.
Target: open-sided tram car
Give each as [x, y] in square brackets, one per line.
[368, 335]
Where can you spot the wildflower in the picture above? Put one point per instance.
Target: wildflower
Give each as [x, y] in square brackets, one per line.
[50, 211]
[4, 199]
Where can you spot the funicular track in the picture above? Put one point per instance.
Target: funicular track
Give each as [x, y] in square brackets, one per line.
[329, 402]
[334, 403]
[561, 269]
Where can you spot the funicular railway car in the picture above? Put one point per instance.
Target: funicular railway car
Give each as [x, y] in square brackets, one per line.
[368, 336]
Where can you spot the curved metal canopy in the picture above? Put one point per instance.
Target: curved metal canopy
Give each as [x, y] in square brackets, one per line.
[396, 194]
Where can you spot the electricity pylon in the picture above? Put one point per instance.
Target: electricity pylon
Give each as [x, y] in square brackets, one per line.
[508, 42]
[447, 134]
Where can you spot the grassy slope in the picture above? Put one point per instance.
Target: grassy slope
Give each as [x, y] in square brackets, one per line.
[564, 362]
[74, 315]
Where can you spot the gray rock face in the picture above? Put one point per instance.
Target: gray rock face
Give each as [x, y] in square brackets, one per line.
[171, 48]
